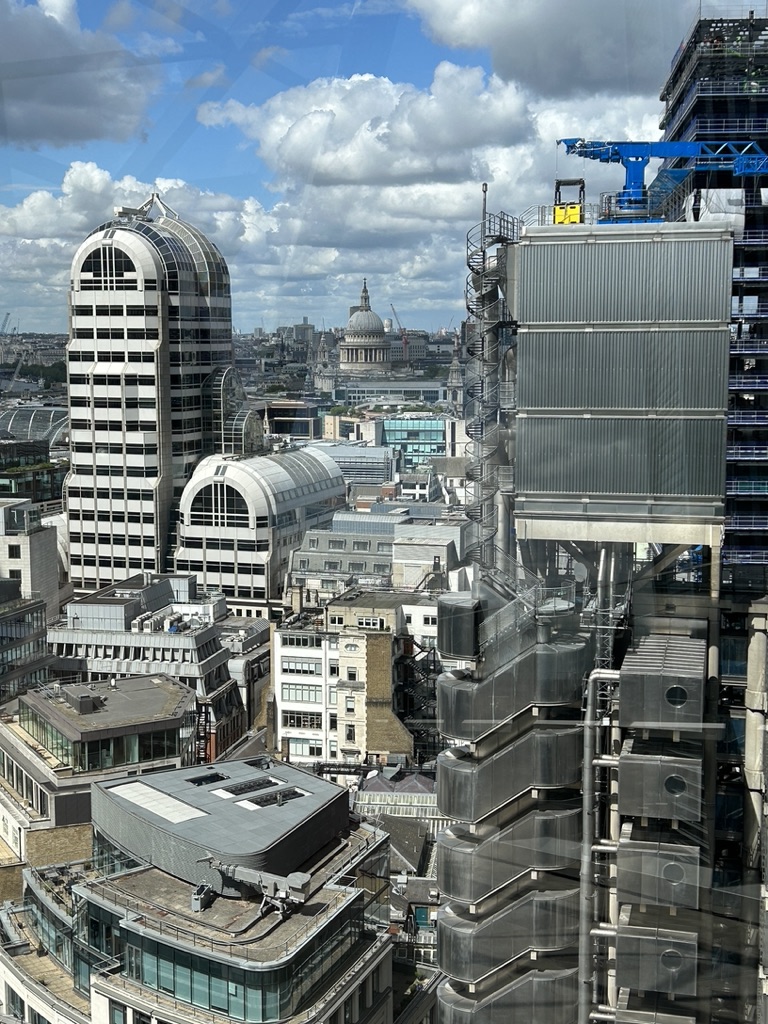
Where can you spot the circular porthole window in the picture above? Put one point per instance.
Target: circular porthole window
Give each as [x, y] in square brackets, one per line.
[673, 873]
[676, 696]
[671, 960]
[675, 785]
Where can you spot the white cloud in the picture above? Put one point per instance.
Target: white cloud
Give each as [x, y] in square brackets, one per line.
[562, 48]
[365, 129]
[206, 79]
[302, 258]
[63, 85]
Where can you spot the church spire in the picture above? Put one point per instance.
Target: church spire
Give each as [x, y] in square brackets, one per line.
[365, 302]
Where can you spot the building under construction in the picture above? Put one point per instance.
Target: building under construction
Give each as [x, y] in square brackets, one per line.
[607, 739]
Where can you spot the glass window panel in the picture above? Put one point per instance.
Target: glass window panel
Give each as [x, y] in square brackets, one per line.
[199, 982]
[183, 975]
[219, 994]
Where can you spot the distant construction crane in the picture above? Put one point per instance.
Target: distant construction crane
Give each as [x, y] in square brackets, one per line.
[403, 333]
[3, 329]
[7, 385]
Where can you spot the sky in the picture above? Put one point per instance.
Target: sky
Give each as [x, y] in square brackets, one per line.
[316, 142]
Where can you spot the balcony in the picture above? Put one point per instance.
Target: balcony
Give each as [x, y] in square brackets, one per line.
[747, 418]
[740, 523]
[746, 487]
[719, 87]
[749, 311]
[746, 453]
[744, 556]
[749, 346]
[748, 382]
[722, 127]
[752, 238]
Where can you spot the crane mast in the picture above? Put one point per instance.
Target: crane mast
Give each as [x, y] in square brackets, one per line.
[403, 333]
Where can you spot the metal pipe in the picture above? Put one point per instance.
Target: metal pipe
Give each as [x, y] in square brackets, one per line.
[614, 831]
[586, 881]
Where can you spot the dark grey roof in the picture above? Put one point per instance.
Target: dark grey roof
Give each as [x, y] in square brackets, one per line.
[407, 841]
[136, 704]
[260, 813]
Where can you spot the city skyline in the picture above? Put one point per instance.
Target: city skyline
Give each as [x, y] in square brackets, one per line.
[315, 144]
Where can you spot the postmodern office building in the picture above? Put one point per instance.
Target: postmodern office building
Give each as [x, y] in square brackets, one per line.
[608, 740]
[240, 519]
[151, 388]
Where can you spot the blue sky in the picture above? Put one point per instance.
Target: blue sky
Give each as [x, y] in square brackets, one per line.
[315, 142]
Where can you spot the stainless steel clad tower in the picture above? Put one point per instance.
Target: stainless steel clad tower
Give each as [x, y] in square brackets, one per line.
[611, 865]
[609, 444]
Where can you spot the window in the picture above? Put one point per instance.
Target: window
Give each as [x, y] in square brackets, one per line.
[336, 545]
[14, 550]
[305, 748]
[117, 1013]
[14, 574]
[332, 696]
[333, 722]
[335, 620]
[361, 545]
[333, 668]
[350, 705]
[430, 620]
[218, 505]
[302, 693]
[352, 675]
[302, 720]
[15, 1003]
[292, 666]
[349, 734]
[301, 640]
[370, 622]
[331, 566]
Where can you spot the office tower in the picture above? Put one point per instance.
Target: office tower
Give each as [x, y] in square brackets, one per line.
[718, 89]
[151, 389]
[610, 867]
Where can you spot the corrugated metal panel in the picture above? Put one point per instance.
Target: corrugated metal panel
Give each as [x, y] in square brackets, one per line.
[607, 276]
[623, 369]
[621, 455]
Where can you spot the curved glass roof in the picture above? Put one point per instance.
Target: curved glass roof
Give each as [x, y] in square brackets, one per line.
[30, 422]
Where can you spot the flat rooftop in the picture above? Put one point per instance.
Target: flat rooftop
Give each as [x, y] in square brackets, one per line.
[93, 710]
[384, 600]
[159, 902]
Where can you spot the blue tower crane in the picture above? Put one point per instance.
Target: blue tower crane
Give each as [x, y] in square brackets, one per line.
[741, 158]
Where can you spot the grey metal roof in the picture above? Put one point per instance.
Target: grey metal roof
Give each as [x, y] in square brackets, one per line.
[217, 806]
